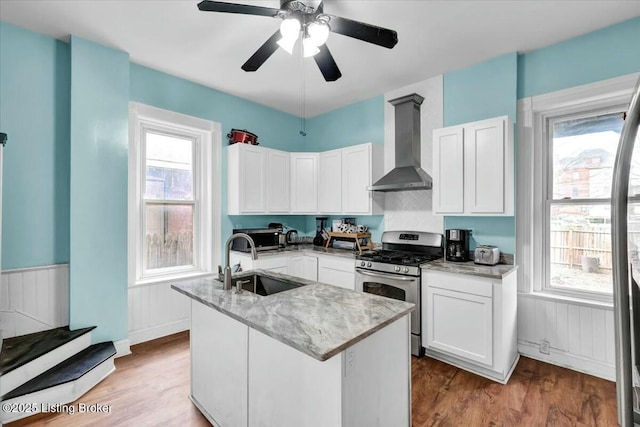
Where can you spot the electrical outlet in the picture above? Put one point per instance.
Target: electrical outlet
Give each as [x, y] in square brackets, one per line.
[545, 347]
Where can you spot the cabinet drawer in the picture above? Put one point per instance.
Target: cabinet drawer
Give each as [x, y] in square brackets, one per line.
[458, 282]
[334, 263]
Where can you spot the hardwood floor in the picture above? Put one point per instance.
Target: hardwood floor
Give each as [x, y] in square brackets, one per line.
[151, 388]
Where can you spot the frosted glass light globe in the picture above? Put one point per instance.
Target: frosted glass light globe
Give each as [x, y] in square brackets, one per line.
[309, 47]
[290, 28]
[318, 32]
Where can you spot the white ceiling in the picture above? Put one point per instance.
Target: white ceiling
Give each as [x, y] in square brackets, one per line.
[209, 48]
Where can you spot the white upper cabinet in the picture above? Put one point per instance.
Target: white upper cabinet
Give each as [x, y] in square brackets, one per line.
[473, 168]
[277, 168]
[246, 184]
[330, 183]
[361, 166]
[263, 180]
[448, 167]
[304, 183]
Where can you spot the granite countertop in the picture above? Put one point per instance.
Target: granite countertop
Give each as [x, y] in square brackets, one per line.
[317, 319]
[498, 271]
[306, 249]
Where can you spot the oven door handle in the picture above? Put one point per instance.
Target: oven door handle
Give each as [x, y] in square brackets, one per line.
[387, 276]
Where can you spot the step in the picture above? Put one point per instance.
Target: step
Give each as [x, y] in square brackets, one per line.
[62, 384]
[26, 356]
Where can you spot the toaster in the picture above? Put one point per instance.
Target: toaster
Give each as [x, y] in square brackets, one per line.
[486, 255]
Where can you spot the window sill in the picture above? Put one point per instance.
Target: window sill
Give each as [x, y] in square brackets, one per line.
[172, 278]
[551, 296]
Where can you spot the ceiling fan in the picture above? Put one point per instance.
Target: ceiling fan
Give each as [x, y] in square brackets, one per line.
[314, 25]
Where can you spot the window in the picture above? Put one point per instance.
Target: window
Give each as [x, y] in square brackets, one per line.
[173, 189]
[567, 143]
[582, 149]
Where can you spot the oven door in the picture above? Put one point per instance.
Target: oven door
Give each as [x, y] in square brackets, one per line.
[403, 288]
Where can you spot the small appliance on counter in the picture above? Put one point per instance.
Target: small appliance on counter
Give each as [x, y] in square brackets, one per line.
[486, 255]
[265, 239]
[292, 237]
[282, 238]
[457, 247]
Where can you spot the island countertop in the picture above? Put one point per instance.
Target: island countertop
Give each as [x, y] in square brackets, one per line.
[317, 319]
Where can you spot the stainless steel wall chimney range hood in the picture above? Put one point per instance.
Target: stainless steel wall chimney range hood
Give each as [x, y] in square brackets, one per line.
[407, 173]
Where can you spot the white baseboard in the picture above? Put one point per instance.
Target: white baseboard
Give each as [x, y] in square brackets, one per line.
[123, 347]
[148, 334]
[568, 360]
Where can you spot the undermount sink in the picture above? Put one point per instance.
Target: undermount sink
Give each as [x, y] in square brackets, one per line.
[263, 285]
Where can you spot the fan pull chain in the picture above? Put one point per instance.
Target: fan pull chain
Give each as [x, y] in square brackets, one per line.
[304, 112]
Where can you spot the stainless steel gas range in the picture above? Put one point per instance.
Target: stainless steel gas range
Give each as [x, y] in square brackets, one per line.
[394, 271]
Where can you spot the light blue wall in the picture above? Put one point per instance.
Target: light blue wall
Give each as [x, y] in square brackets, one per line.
[600, 55]
[354, 124]
[98, 205]
[480, 92]
[34, 112]
[275, 129]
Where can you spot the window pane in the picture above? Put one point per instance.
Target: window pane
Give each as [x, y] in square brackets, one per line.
[168, 236]
[169, 172]
[580, 247]
[584, 151]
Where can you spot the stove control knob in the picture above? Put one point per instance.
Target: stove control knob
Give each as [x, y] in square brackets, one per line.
[406, 269]
[362, 264]
[396, 268]
[368, 264]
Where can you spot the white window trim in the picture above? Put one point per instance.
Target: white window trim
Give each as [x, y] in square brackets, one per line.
[208, 195]
[532, 177]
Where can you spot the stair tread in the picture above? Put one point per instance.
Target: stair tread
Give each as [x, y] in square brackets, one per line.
[20, 350]
[69, 370]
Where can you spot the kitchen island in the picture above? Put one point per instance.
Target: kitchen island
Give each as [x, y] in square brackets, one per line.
[314, 355]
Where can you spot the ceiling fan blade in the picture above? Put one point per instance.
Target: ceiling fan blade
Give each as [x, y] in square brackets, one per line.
[219, 6]
[263, 53]
[365, 32]
[320, 8]
[327, 64]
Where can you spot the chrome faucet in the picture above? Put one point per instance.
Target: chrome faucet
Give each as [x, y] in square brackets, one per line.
[226, 281]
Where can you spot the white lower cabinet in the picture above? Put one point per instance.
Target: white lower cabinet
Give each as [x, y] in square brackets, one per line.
[219, 378]
[470, 322]
[277, 385]
[337, 271]
[303, 266]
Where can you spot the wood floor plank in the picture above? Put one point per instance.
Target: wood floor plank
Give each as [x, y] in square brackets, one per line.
[151, 387]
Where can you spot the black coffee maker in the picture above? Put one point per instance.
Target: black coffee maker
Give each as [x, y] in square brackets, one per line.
[457, 248]
[321, 234]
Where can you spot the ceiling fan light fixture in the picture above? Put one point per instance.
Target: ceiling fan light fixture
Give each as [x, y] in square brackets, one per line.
[318, 32]
[287, 44]
[309, 47]
[290, 28]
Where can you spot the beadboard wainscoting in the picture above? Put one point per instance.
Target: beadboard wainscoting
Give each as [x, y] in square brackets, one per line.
[156, 310]
[580, 336]
[34, 299]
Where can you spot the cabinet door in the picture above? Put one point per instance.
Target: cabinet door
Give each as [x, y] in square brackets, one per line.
[252, 178]
[448, 171]
[330, 183]
[484, 167]
[460, 324]
[277, 181]
[356, 177]
[219, 379]
[296, 266]
[310, 268]
[304, 182]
